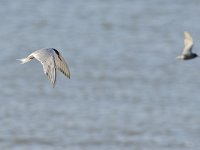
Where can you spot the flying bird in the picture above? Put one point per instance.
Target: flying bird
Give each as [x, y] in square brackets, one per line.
[51, 61]
[187, 51]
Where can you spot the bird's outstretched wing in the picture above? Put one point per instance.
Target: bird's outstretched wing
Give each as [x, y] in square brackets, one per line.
[47, 60]
[188, 43]
[61, 64]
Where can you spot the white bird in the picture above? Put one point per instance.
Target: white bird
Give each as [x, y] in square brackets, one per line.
[187, 51]
[51, 60]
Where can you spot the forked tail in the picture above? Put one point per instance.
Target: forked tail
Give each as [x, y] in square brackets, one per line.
[27, 59]
[180, 57]
[23, 60]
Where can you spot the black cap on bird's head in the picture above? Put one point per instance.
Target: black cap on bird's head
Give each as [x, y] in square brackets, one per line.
[195, 55]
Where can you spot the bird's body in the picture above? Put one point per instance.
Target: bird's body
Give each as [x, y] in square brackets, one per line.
[187, 57]
[51, 61]
[187, 51]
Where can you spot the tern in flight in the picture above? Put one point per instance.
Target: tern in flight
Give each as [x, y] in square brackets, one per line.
[51, 61]
[187, 51]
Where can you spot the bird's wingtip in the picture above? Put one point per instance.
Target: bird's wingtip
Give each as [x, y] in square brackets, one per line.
[68, 76]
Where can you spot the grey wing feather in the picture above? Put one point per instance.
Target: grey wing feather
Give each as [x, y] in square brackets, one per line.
[61, 65]
[50, 70]
[47, 60]
[188, 42]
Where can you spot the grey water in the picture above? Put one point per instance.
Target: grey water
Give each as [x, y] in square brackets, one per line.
[126, 90]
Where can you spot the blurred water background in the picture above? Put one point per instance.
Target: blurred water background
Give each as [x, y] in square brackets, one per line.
[126, 92]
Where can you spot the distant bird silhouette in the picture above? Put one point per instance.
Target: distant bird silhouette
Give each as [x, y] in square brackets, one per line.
[187, 51]
[51, 60]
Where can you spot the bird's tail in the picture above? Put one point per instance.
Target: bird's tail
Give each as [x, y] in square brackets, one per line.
[27, 59]
[24, 60]
[179, 57]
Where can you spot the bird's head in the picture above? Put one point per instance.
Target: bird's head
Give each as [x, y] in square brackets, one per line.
[195, 55]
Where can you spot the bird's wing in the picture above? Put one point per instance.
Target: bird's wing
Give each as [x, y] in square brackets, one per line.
[61, 64]
[188, 42]
[47, 60]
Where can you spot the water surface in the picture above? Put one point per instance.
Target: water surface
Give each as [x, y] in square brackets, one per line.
[126, 90]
